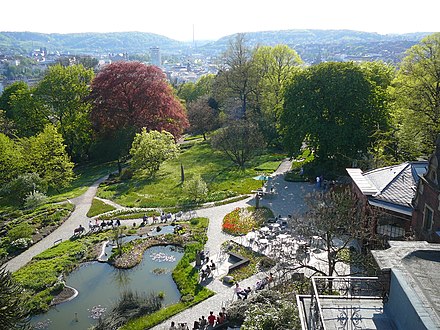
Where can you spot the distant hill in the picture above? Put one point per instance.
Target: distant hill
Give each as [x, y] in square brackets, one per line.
[310, 44]
[302, 40]
[85, 43]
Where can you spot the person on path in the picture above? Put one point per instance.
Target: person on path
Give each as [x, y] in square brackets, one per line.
[240, 292]
[173, 326]
[203, 323]
[211, 319]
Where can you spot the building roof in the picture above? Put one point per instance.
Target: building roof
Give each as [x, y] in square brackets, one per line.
[418, 263]
[391, 187]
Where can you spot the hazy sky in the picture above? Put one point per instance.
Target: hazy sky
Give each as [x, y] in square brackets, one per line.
[214, 19]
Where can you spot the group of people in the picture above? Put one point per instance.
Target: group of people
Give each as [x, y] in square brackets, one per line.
[261, 284]
[104, 224]
[207, 269]
[242, 293]
[203, 323]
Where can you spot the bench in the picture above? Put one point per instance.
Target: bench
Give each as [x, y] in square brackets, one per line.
[223, 325]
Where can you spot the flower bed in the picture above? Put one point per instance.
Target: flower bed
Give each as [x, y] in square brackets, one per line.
[243, 220]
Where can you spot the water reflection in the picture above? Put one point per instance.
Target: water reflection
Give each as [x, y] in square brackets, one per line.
[100, 286]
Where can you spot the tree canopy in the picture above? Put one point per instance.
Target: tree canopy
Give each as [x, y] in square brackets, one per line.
[62, 93]
[417, 96]
[202, 117]
[150, 149]
[46, 155]
[334, 108]
[131, 95]
[239, 141]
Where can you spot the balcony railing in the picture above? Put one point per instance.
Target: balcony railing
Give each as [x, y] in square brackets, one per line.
[327, 287]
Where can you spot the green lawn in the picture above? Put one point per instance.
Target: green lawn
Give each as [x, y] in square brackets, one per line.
[224, 179]
[85, 175]
[99, 207]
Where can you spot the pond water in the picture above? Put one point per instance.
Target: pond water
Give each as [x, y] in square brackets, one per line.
[100, 285]
[163, 230]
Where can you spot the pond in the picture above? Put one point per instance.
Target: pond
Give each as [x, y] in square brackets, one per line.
[100, 285]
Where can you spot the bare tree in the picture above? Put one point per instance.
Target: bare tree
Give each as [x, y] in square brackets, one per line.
[238, 78]
[239, 141]
[336, 219]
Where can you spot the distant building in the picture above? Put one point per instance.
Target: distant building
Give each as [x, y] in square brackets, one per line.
[155, 56]
[426, 215]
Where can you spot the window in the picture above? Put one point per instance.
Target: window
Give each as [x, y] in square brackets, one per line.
[427, 218]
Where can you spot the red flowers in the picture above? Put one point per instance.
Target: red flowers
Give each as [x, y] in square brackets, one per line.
[239, 222]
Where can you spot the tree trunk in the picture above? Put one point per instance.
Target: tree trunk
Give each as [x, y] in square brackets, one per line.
[182, 173]
[119, 166]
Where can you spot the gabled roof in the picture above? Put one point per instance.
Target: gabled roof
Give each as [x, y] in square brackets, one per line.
[391, 187]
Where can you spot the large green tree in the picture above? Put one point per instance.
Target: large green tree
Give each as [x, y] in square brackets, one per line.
[276, 66]
[335, 109]
[46, 155]
[191, 92]
[11, 159]
[25, 110]
[417, 97]
[150, 149]
[63, 94]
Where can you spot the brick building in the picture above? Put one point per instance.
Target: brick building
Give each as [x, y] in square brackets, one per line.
[426, 202]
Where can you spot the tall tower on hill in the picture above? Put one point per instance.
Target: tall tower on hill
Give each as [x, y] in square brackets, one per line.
[155, 56]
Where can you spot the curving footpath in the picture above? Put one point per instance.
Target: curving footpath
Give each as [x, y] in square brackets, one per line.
[63, 232]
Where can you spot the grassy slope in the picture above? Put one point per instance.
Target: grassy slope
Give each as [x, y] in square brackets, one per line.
[224, 179]
[99, 207]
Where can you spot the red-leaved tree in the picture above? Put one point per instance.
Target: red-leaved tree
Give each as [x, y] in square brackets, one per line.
[131, 95]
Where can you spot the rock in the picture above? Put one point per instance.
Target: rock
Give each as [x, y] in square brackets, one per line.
[228, 279]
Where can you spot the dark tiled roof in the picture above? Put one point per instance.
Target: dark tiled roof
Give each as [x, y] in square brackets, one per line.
[393, 184]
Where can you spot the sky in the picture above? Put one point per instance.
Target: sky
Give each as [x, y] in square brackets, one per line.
[213, 19]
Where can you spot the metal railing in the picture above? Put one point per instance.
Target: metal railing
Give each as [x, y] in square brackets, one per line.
[328, 287]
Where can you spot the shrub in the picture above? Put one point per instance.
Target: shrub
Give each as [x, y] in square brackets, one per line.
[126, 174]
[194, 221]
[35, 199]
[21, 243]
[267, 263]
[187, 298]
[267, 309]
[195, 189]
[23, 230]
[23, 185]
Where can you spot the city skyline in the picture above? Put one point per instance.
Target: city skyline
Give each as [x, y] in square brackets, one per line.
[176, 19]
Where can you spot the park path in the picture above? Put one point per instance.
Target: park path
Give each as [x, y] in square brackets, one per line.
[63, 232]
[288, 199]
